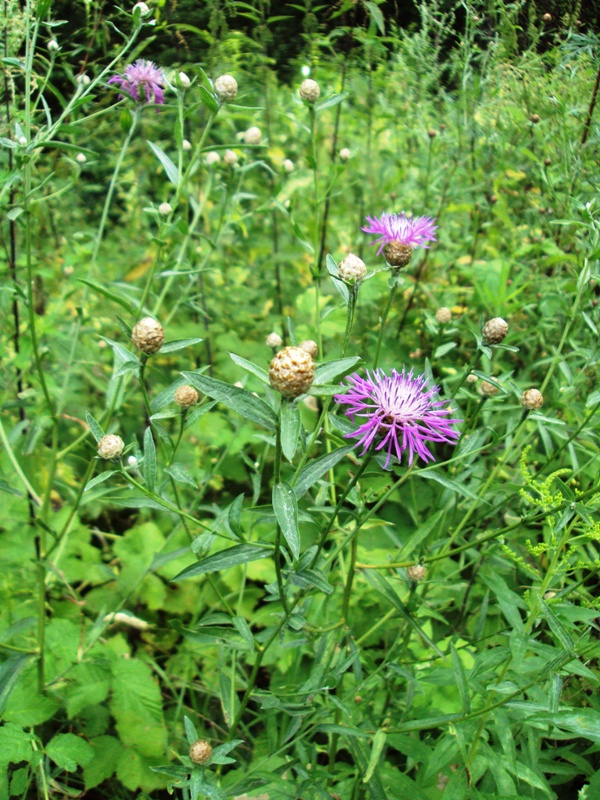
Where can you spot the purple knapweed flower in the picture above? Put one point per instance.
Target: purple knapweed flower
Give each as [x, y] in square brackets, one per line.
[404, 229]
[143, 81]
[400, 412]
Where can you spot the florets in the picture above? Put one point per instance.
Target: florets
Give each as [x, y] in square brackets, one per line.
[399, 234]
[143, 81]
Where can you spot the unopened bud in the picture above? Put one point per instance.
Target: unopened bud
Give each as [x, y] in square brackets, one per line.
[344, 154]
[547, 17]
[148, 335]
[494, 331]
[311, 347]
[201, 752]
[532, 399]
[142, 8]
[443, 315]
[165, 209]
[274, 340]
[535, 118]
[186, 396]
[23, 141]
[132, 462]
[487, 389]
[212, 158]
[80, 158]
[288, 165]
[292, 371]
[432, 133]
[110, 446]
[53, 45]
[83, 79]
[352, 269]
[230, 157]
[416, 573]
[253, 135]
[226, 88]
[309, 90]
[184, 80]
[186, 145]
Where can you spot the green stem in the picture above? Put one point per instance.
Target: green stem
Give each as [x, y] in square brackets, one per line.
[277, 555]
[393, 289]
[350, 311]
[316, 273]
[349, 579]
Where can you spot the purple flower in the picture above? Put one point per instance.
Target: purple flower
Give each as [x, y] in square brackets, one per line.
[401, 228]
[401, 413]
[143, 81]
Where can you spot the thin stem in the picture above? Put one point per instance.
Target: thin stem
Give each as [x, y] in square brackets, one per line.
[316, 271]
[394, 286]
[588, 121]
[277, 555]
[349, 578]
[350, 311]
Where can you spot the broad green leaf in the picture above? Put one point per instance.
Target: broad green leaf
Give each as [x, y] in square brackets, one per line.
[69, 751]
[285, 506]
[584, 722]
[325, 373]
[332, 268]
[104, 763]
[15, 744]
[315, 470]
[254, 369]
[96, 430]
[290, 428]
[149, 459]
[239, 400]
[9, 675]
[170, 168]
[225, 559]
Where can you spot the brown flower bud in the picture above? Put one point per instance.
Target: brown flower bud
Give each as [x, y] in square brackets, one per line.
[487, 389]
[443, 315]
[494, 330]
[201, 751]
[148, 335]
[535, 118]
[311, 347]
[532, 399]
[397, 254]
[186, 396]
[416, 573]
[432, 133]
[292, 371]
[110, 446]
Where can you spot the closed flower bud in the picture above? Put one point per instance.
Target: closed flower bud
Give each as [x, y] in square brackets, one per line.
[344, 154]
[352, 269]
[226, 88]
[535, 118]
[416, 573]
[83, 79]
[494, 330]
[292, 371]
[487, 389]
[309, 90]
[311, 347]
[80, 158]
[253, 135]
[397, 254]
[274, 340]
[23, 141]
[143, 9]
[432, 133]
[148, 335]
[288, 165]
[547, 17]
[229, 157]
[165, 209]
[472, 378]
[186, 396]
[53, 45]
[443, 315]
[200, 751]
[532, 399]
[132, 461]
[184, 80]
[212, 158]
[186, 145]
[110, 446]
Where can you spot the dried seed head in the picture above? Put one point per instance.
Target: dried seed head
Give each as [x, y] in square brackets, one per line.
[494, 331]
[212, 158]
[253, 135]
[274, 340]
[535, 118]
[110, 446]
[352, 269]
[200, 751]
[226, 88]
[229, 157]
[165, 209]
[443, 315]
[487, 389]
[532, 399]
[148, 335]
[311, 347]
[344, 154]
[186, 145]
[309, 90]
[288, 165]
[292, 371]
[186, 396]
[397, 254]
[416, 573]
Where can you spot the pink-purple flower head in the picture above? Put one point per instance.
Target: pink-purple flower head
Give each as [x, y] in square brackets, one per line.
[143, 81]
[400, 412]
[400, 234]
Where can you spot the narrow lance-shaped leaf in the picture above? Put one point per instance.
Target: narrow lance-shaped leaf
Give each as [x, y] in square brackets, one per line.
[149, 459]
[225, 559]
[239, 400]
[290, 428]
[285, 506]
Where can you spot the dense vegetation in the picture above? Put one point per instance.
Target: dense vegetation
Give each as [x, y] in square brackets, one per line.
[196, 555]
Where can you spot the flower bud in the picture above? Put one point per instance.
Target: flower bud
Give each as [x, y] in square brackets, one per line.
[487, 389]
[532, 399]
[229, 157]
[344, 154]
[110, 446]
[443, 315]
[165, 209]
[494, 331]
[253, 135]
[352, 269]
[53, 45]
[309, 90]
[432, 133]
[83, 79]
[186, 145]
[186, 396]
[226, 88]
[311, 347]
[292, 371]
[547, 17]
[132, 462]
[23, 141]
[535, 118]
[148, 335]
[212, 158]
[274, 340]
[288, 165]
[143, 9]
[80, 158]
[397, 254]
[416, 572]
[472, 378]
[200, 751]
[184, 80]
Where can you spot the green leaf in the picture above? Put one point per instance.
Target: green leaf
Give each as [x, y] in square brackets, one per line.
[229, 698]
[106, 753]
[209, 100]
[9, 675]
[225, 559]
[136, 705]
[96, 430]
[285, 506]
[312, 577]
[178, 344]
[170, 168]
[290, 428]
[15, 744]
[149, 459]
[448, 483]
[325, 373]
[180, 474]
[239, 400]
[190, 731]
[122, 301]
[69, 751]
[315, 470]
[461, 680]
[339, 284]
[259, 372]
[376, 15]
[100, 479]
[557, 628]
[378, 745]
[329, 102]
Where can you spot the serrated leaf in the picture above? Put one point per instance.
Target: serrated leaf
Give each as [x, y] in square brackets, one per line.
[69, 751]
[15, 744]
[239, 400]
[9, 675]
[285, 506]
[170, 168]
[94, 427]
[225, 559]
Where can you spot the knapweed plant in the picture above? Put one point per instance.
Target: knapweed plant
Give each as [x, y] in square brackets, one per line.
[285, 515]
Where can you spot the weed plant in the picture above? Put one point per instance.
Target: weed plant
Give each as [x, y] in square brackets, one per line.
[248, 548]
